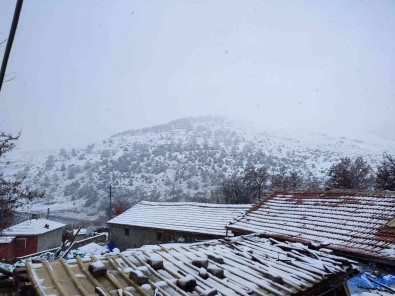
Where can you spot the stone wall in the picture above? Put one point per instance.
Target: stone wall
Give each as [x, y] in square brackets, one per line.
[134, 237]
[51, 239]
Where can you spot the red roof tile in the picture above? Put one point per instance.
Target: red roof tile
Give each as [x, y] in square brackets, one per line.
[351, 222]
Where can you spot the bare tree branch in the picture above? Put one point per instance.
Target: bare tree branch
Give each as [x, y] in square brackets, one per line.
[12, 192]
[4, 41]
[10, 79]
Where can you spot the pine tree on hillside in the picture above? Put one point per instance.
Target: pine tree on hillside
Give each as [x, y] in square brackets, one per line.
[234, 191]
[255, 181]
[385, 176]
[279, 179]
[348, 174]
[285, 180]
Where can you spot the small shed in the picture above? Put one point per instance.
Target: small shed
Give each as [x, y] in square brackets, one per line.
[162, 222]
[31, 236]
[7, 247]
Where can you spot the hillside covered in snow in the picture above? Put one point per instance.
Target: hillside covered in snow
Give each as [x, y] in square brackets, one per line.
[180, 160]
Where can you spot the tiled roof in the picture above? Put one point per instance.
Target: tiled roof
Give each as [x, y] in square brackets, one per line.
[33, 227]
[239, 266]
[181, 216]
[349, 222]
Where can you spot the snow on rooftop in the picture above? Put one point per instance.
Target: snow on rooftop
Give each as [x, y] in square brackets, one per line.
[33, 227]
[6, 239]
[93, 249]
[247, 265]
[181, 216]
[83, 231]
[351, 222]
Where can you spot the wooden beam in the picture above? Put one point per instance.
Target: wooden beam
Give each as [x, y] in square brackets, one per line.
[32, 279]
[152, 283]
[153, 271]
[126, 277]
[76, 282]
[94, 282]
[55, 279]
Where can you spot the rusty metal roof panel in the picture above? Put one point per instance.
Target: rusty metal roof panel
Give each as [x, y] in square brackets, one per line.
[348, 221]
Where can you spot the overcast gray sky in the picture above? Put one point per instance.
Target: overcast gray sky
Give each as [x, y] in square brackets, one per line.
[87, 69]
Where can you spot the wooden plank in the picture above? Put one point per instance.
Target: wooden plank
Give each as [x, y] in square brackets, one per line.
[214, 278]
[152, 283]
[153, 271]
[36, 285]
[76, 282]
[94, 282]
[109, 276]
[126, 277]
[55, 279]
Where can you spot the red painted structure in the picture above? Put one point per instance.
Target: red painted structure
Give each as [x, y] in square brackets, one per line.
[30, 236]
[18, 247]
[7, 249]
[25, 245]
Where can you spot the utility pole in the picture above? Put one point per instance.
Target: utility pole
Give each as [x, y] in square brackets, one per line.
[110, 203]
[10, 40]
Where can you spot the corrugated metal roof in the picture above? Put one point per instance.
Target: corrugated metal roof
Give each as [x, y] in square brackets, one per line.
[240, 266]
[181, 216]
[33, 227]
[349, 222]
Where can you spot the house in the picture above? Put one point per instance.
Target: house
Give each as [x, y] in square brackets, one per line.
[31, 236]
[359, 224]
[161, 222]
[249, 265]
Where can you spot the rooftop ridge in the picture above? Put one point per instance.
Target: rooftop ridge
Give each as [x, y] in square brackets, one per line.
[199, 204]
[338, 193]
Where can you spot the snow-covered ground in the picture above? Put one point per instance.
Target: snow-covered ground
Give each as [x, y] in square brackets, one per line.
[176, 161]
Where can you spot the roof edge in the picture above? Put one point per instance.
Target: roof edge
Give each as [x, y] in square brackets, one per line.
[341, 250]
[171, 230]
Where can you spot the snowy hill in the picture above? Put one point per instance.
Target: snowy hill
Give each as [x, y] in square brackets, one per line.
[180, 160]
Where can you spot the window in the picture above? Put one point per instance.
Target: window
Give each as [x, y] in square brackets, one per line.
[126, 231]
[20, 244]
[159, 236]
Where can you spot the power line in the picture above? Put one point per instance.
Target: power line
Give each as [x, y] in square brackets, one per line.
[10, 40]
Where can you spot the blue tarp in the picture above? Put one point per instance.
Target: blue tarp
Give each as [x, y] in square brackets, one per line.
[367, 282]
[111, 245]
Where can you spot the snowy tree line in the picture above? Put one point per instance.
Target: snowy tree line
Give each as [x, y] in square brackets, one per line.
[137, 174]
[175, 169]
[254, 182]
